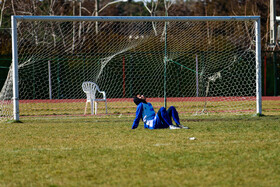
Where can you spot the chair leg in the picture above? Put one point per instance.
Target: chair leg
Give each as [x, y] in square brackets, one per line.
[86, 109]
[92, 107]
[106, 106]
[95, 112]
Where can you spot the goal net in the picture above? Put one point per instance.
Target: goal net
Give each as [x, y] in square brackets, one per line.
[200, 65]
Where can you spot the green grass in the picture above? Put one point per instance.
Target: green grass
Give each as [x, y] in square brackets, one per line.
[77, 108]
[104, 151]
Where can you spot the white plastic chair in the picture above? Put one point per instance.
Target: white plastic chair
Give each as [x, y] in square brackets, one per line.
[90, 89]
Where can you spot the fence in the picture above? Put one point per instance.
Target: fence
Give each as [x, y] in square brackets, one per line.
[270, 72]
[5, 62]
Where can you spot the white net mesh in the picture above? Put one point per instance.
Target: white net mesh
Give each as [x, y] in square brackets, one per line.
[210, 66]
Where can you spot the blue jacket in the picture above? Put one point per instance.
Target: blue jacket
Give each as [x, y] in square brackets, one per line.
[147, 114]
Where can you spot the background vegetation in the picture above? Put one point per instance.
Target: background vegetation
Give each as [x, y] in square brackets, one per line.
[140, 8]
[133, 8]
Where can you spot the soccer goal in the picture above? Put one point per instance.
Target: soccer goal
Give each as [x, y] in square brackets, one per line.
[201, 65]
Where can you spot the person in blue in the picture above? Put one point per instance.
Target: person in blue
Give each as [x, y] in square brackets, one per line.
[161, 120]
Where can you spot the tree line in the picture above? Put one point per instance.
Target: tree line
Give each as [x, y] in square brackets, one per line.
[131, 8]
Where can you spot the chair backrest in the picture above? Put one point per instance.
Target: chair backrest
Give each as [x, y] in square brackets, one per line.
[90, 89]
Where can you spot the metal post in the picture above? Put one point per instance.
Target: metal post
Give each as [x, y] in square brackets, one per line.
[58, 78]
[50, 80]
[272, 23]
[33, 79]
[123, 76]
[15, 69]
[258, 67]
[165, 73]
[196, 69]
[165, 62]
[130, 75]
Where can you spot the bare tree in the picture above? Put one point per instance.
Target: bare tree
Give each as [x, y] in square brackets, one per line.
[97, 10]
[152, 11]
[13, 7]
[51, 13]
[96, 14]
[74, 25]
[167, 5]
[2, 11]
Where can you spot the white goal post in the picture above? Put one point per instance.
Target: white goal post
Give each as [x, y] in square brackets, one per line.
[205, 56]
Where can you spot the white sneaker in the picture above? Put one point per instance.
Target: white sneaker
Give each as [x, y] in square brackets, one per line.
[174, 127]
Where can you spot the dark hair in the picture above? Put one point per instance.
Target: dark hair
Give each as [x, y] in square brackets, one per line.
[137, 101]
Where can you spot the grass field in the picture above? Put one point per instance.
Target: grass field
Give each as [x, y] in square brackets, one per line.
[239, 150]
[126, 106]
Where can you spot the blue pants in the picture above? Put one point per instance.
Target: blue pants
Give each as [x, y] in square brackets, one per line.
[164, 118]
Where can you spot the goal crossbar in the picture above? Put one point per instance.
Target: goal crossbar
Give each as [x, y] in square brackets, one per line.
[137, 18]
